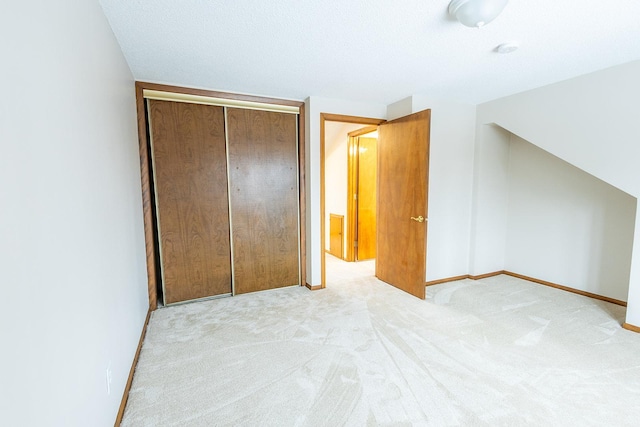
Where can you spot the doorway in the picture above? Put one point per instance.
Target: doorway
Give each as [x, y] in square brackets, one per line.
[362, 164]
[340, 149]
[401, 197]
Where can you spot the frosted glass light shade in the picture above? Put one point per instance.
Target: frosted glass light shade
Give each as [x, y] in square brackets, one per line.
[476, 13]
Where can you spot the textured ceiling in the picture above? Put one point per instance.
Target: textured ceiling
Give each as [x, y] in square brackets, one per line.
[369, 50]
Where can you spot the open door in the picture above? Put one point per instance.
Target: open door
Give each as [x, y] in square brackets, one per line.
[366, 199]
[403, 173]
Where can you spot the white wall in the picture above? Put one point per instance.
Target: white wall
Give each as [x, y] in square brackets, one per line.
[72, 259]
[490, 201]
[336, 168]
[314, 106]
[566, 226]
[633, 300]
[451, 156]
[589, 121]
[592, 123]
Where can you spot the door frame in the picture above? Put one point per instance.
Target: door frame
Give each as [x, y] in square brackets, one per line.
[329, 117]
[148, 211]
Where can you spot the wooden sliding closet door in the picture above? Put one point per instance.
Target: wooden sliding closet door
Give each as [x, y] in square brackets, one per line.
[263, 176]
[190, 171]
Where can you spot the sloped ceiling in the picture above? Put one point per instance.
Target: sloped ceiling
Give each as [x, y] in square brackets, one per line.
[375, 51]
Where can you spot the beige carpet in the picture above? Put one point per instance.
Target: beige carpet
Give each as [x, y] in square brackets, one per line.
[495, 352]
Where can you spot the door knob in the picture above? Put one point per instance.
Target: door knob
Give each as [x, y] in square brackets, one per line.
[418, 219]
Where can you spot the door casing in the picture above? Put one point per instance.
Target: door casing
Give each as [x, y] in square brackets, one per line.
[420, 280]
[328, 117]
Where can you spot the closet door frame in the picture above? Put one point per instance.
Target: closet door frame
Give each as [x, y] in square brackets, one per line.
[150, 233]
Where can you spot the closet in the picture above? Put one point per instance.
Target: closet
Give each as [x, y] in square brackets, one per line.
[226, 196]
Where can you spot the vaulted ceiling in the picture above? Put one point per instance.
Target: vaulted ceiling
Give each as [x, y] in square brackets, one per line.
[375, 51]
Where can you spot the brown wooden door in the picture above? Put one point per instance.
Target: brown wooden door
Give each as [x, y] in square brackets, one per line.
[263, 199]
[367, 166]
[190, 179]
[403, 171]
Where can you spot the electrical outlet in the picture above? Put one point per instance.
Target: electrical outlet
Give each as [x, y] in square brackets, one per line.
[109, 378]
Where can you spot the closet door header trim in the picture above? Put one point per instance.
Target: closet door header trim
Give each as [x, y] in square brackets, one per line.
[222, 102]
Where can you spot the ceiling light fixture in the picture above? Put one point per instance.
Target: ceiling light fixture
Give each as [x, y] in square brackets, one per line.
[507, 47]
[476, 13]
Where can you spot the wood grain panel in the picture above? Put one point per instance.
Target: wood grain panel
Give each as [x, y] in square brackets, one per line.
[263, 177]
[147, 205]
[189, 160]
[302, 196]
[352, 195]
[152, 246]
[367, 166]
[336, 237]
[403, 171]
[323, 258]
